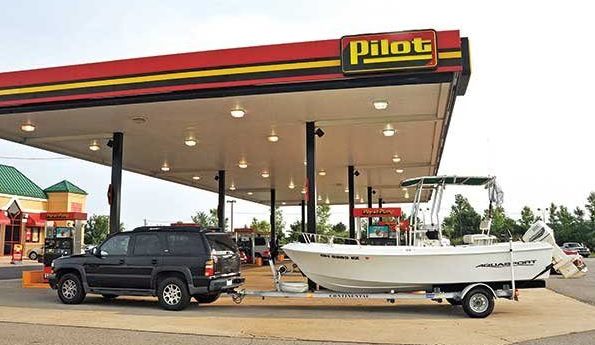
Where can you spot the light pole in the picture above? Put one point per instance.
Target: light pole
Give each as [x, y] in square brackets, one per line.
[231, 202]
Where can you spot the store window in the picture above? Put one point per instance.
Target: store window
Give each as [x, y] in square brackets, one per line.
[32, 235]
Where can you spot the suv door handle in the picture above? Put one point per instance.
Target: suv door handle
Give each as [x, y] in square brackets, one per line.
[154, 261]
[121, 261]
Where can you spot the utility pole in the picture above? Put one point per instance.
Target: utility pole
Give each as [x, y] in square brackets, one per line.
[231, 202]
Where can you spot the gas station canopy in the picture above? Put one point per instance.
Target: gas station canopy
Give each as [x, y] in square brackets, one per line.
[187, 116]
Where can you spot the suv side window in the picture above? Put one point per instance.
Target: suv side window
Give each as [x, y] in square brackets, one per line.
[147, 245]
[185, 244]
[260, 241]
[117, 245]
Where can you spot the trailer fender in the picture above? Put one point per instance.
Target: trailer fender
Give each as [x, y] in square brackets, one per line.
[471, 286]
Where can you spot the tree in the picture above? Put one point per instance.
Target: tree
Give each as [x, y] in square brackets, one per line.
[590, 206]
[97, 229]
[295, 230]
[501, 224]
[209, 219]
[462, 220]
[261, 227]
[527, 218]
[323, 214]
[204, 219]
[339, 230]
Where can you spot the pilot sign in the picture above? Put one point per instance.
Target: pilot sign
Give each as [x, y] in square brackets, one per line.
[389, 51]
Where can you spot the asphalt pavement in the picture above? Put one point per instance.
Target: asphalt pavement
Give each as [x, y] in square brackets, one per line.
[16, 271]
[582, 289]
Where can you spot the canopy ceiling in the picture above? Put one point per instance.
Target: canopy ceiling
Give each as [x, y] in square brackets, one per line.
[418, 108]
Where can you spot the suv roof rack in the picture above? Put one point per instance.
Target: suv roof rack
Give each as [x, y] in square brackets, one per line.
[182, 227]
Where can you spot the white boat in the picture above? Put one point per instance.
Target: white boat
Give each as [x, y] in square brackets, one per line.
[353, 268]
[427, 261]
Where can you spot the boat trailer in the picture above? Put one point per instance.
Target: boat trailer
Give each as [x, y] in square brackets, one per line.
[477, 299]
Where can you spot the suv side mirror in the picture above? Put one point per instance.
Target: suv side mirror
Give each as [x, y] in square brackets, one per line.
[96, 252]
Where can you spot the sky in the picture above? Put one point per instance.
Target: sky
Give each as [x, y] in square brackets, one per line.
[527, 116]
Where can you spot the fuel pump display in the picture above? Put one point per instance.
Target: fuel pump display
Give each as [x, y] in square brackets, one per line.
[58, 242]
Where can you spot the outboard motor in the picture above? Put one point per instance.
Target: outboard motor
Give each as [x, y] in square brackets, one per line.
[570, 266]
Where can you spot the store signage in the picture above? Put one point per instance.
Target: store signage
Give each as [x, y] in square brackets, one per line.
[17, 252]
[63, 216]
[377, 212]
[389, 51]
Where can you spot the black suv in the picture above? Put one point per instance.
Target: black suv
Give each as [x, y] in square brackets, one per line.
[173, 263]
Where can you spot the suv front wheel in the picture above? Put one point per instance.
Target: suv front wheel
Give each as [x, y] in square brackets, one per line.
[70, 289]
[173, 294]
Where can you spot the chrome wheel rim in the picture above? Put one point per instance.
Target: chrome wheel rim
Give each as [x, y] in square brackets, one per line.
[479, 303]
[172, 294]
[69, 289]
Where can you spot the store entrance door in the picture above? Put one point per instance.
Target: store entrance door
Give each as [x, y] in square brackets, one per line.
[12, 231]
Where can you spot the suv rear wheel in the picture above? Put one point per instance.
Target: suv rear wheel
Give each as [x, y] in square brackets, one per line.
[70, 289]
[173, 294]
[207, 298]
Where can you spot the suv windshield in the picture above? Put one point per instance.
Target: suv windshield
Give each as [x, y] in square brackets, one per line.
[221, 243]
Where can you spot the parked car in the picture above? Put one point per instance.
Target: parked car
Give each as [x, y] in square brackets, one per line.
[579, 247]
[173, 263]
[34, 253]
[261, 248]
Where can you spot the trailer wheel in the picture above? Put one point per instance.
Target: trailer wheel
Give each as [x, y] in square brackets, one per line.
[478, 303]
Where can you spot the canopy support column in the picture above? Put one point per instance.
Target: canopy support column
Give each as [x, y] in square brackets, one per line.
[369, 204]
[380, 206]
[117, 144]
[311, 175]
[303, 204]
[221, 203]
[351, 190]
[273, 227]
[311, 184]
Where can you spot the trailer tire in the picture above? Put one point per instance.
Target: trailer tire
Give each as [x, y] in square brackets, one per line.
[478, 302]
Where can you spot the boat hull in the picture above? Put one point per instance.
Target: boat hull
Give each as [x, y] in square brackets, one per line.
[352, 268]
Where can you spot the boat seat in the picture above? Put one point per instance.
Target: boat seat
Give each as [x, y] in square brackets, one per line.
[280, 285]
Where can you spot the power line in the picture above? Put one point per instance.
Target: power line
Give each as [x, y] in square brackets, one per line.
[34, 158]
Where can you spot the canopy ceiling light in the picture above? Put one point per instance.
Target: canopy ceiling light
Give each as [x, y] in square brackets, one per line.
[291, 184]
[303, 191]
[139, 120]
[27, 127]
[190, 140]
[399, 171]
[380, 105]
[265, 173]
[322, 172]
[196, 177]
[346, 189]
[250, 193]
[319, 197]
[396, 159]
[165, 167]
[238, 113]
[273, 137]
[242, 164]
[232, 187]
[94, 145]
[389, 130]
[327, 200]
